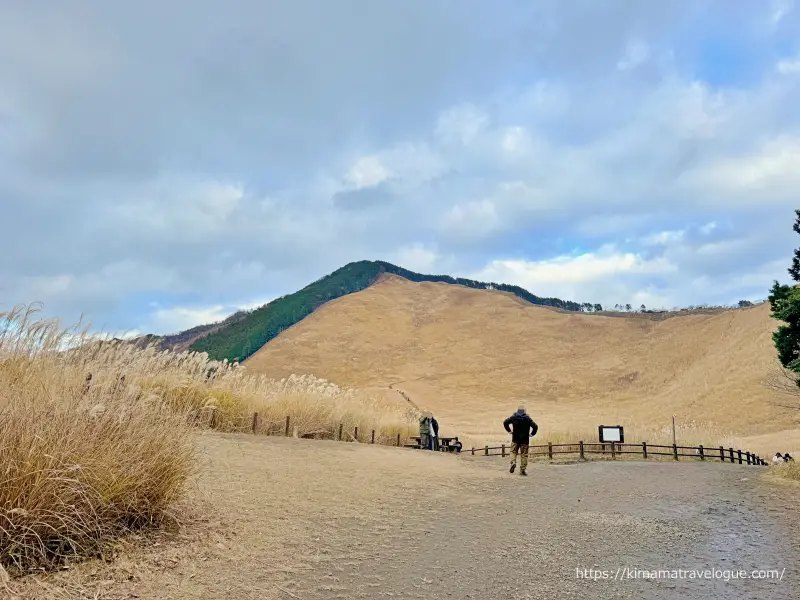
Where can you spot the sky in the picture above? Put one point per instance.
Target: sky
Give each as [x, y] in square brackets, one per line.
[163, 164]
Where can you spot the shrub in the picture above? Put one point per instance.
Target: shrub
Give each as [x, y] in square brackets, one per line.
[79, 468]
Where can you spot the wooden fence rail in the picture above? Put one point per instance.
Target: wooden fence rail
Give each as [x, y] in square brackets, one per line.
[644, 449]
[287, 431]
[580, 448]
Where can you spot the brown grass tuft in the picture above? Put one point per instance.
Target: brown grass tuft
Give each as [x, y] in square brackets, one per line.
[788, 470]
[77, 470]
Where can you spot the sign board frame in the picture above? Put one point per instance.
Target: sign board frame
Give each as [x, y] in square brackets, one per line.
[611, 433]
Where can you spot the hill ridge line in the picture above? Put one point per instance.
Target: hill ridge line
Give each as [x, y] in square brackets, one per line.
[245, 332]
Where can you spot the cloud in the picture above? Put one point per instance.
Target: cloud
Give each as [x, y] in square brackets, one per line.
[780, 9]
[605, 263]
[178, 318]
[199, 155]
[788, 66]
[368, 171]
[460, 125]
[636, 53]
[418, 257]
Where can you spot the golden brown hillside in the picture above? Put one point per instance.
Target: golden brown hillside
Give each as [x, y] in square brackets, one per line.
[471, 356]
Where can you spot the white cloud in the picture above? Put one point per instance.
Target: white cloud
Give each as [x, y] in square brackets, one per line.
[179, 207]
[516, 143]
[765, 175]
[708, 228]
[788, 66]
[472, 219]
[780, 9]
[636, 53]
[664, 238]
[368, 171]
[461, 124]
[569, 269]
[607, 275]
[417, 257]
[178, 318]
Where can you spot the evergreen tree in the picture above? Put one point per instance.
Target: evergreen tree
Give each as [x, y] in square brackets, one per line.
[784, 301]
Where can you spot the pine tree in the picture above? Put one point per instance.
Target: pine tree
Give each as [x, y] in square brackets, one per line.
[784, 301]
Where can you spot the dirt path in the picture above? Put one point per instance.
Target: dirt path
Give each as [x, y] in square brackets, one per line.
[288, 518]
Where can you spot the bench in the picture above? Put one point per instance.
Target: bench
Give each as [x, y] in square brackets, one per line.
[446, 444]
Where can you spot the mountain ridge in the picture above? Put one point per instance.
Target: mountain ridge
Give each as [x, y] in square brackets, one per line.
[240, 335]
[245, 332]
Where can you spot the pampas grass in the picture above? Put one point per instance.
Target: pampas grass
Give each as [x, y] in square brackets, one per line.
[76, 470]
[96, 434]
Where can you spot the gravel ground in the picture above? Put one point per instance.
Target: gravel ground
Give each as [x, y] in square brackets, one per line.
[283, 518]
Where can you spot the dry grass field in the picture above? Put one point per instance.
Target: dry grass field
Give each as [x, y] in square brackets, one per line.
[472, 355]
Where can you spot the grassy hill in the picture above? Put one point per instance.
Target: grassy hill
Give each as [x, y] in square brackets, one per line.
[237, 339]
[471, 355]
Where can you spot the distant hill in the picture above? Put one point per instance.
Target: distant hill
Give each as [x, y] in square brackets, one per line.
[183, 340]
[471, 356]
[241, 335]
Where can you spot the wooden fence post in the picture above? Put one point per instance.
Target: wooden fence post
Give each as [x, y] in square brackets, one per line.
[731, 454]
[503, 450]
[614, 450]
[398, 439]
[340, 431]
[747, 454]
[675, 451]
[721, 454]
[702, 452]
[581, 447]
[739, 452]
[644, 449]
[372, 439]
[214, 418]
[287, 426]
[486, 451]
[550, 450]
[473, 451]
[355, 434]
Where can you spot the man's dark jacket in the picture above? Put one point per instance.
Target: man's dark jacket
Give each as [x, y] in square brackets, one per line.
[524, 427]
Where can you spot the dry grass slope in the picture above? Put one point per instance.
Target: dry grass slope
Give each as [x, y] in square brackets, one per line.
[472, 355]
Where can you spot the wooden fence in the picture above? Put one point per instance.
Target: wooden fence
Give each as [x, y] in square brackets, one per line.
[644, 450]
[581, 448]
[287, 431]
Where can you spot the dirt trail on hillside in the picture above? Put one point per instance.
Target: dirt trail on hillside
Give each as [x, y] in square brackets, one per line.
[287, 518]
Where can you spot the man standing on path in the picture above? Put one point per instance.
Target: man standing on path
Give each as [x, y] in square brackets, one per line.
[425, 431]
[524, 427]
[434, 433]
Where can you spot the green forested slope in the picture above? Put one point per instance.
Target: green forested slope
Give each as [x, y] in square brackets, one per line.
[239, 339]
